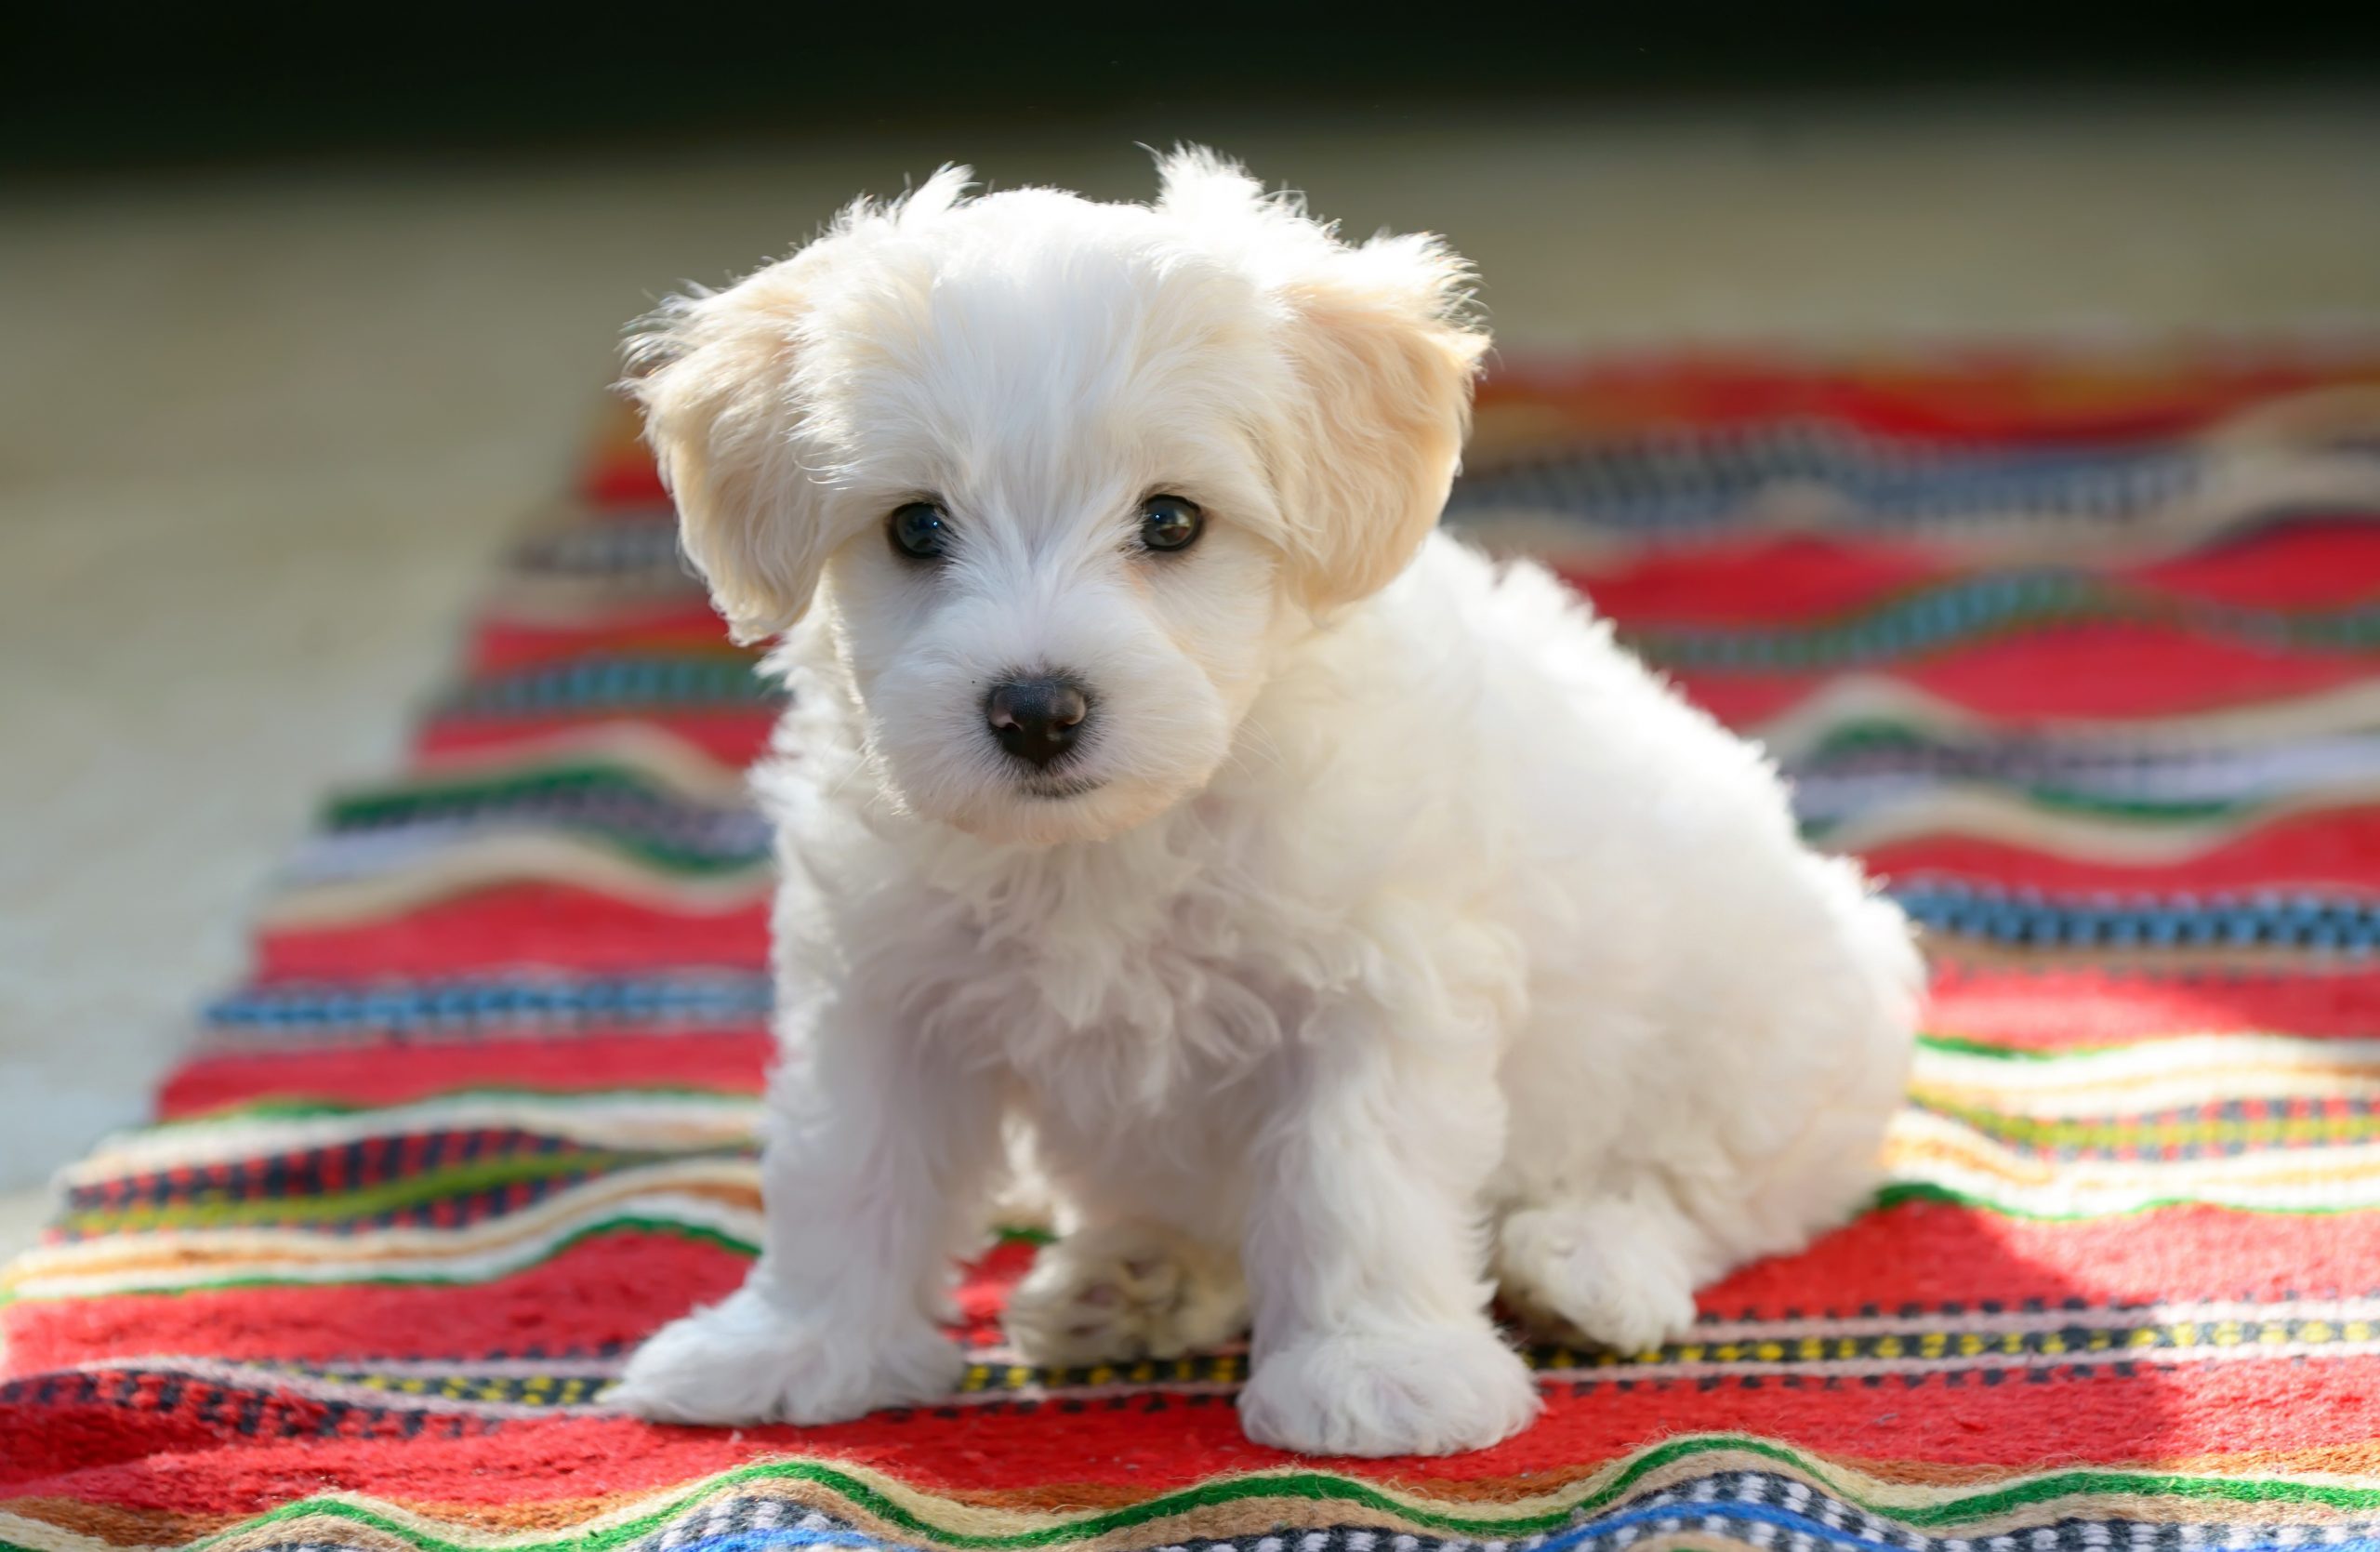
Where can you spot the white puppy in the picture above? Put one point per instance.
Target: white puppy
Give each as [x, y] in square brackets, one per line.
[1355, 928]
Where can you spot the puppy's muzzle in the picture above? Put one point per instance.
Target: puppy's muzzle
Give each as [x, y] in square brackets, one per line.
[1036, 719]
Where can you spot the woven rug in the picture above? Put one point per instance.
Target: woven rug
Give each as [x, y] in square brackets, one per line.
[2079, 648]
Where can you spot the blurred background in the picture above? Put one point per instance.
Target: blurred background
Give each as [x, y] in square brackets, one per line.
[301, 311]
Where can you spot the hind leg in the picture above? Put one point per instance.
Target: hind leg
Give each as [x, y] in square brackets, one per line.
[1618, 1270]
[1123, 1292]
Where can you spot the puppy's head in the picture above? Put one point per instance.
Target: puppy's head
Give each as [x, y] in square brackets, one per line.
[1063, 475]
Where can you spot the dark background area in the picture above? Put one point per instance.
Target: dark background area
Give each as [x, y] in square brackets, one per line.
[137, 88]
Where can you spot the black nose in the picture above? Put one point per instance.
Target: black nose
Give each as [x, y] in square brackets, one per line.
[1037, 719]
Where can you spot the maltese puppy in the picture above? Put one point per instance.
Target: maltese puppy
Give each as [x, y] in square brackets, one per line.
[1339, 924]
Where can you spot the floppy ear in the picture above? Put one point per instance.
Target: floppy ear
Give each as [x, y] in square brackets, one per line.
[720, 410]
[1386, 362]
[718, 375]
[1383, 354]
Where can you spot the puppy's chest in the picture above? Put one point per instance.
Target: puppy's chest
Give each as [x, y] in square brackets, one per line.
[1130, 1008]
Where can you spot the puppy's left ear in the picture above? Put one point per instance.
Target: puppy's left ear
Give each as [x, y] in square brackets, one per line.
[717, 389]
[1385, 355]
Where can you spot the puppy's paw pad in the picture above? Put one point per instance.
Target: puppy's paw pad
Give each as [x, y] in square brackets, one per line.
[746, 1360]
[1115, 1295]
[1569, 1276]
[1427, 1390]
[1629, 1317]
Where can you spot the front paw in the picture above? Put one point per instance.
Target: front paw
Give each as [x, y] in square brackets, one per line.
[1421, 1391]
[747, 1360]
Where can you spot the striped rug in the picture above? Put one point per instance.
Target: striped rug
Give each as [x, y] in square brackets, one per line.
[2078, 648]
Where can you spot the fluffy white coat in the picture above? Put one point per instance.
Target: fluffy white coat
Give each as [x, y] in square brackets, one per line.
[1392, 938]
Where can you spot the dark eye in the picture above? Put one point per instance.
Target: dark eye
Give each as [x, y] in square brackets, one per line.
[919, 530]
[1170, 522]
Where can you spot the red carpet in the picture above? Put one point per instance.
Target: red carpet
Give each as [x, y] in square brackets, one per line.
[2080, 650]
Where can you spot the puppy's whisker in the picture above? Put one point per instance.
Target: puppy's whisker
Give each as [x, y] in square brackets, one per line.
[1256, 741]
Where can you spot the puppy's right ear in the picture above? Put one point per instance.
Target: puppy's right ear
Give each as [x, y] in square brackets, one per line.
[716, 375]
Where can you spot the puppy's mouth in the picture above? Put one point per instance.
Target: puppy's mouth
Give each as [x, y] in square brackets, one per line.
[1057, 789]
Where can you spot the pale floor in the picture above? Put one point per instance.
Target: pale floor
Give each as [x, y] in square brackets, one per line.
[260, 438]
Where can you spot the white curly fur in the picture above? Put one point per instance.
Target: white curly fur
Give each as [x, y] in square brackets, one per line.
[1413, 938]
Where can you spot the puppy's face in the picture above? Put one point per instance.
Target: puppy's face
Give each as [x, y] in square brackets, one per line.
[1058, 599]
[1066, 475]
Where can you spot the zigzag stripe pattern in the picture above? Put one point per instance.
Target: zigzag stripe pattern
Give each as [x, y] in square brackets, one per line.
[1675, 1495]
[616, 681]
[2026, 918]
[488, 1110]
[1858, 775]
[2252, 1123]
[1938, 618]
[1932, 623]
[1859, 772]
[1982, 1349]
[1689, 479]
